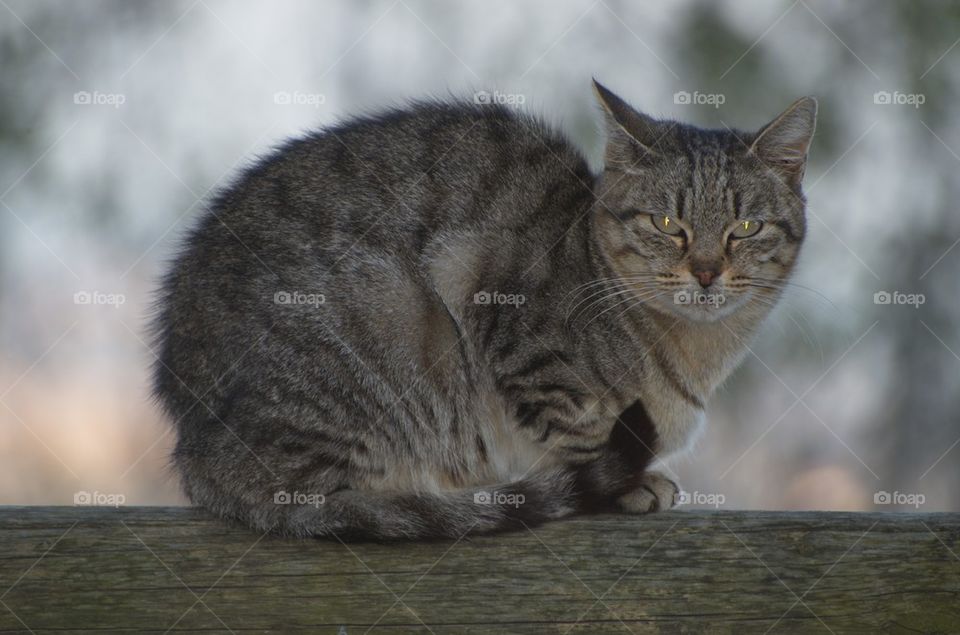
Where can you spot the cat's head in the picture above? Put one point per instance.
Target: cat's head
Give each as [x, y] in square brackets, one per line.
[700, 223]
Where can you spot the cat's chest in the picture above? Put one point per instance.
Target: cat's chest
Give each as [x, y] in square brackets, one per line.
[679, 379]
[677, 423]
[702, 356]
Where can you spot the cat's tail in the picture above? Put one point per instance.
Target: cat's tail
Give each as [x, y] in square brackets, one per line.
[387, 516]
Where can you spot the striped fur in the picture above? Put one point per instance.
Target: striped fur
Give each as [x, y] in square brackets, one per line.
[438, 320]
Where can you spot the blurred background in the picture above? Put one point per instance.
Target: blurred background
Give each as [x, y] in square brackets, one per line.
[117, 120]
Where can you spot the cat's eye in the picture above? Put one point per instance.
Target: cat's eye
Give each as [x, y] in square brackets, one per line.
[666, 224]
[746, 229]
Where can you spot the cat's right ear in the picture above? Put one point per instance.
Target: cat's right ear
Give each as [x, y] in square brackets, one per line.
[632, 137]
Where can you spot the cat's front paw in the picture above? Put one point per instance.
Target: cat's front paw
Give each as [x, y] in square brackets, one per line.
[655, 492]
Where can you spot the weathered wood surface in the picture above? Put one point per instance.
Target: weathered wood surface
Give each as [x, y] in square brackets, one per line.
[147, 570]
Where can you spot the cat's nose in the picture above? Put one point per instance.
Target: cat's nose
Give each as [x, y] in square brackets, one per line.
[706, 275]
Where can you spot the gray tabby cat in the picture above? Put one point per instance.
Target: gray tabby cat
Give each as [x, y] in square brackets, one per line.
[438, 320]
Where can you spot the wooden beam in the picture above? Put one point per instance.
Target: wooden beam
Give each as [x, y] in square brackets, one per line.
[150, 569]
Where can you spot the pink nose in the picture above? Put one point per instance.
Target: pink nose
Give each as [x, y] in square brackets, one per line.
[705, 276]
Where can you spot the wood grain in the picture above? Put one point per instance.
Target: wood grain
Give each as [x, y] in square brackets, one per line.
[156, 570]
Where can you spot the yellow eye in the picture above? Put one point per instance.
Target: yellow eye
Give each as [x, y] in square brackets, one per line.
[746, 228]
[666, 224]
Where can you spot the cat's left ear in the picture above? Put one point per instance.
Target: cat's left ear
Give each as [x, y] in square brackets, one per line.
[783, 143]
[632, 137]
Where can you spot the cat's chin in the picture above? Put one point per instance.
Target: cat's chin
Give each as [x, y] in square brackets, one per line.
[703, 312]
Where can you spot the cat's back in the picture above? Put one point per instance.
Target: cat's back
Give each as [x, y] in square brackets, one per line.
[406, 172]
[362, 212]
[337, 232]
